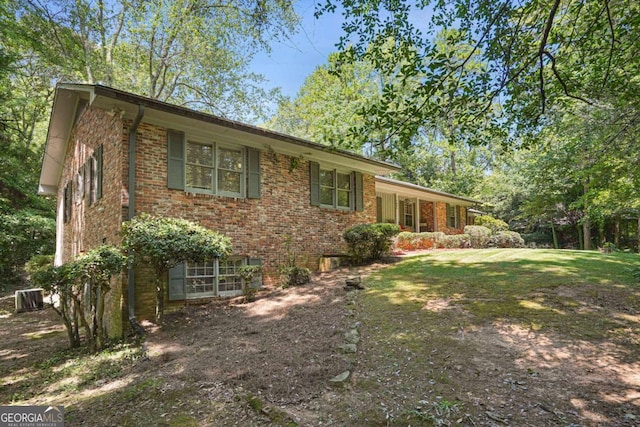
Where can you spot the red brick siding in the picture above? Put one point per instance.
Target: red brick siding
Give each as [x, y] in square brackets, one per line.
[426, 215]
[256, 227]
[93, 225]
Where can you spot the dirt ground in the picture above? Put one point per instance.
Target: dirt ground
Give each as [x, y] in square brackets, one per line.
[270, 362]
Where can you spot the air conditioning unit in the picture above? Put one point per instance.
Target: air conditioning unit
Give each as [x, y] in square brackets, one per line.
[29, 299]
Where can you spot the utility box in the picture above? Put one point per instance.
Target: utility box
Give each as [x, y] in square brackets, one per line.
[29, 300]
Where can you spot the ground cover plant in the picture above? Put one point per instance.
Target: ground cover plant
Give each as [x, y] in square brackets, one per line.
[463, 337]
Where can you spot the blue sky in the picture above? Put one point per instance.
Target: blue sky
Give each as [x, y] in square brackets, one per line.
[291, 61]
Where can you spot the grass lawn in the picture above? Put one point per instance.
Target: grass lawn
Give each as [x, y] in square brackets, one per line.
[528, 337]
[463, 337]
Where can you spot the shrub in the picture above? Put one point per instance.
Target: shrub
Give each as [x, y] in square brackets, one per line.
[368, 242]
[506, 239]
[456, 241]
[479, 234]
[491, 223]
[408, 241]
[295, 276]
[164, 242]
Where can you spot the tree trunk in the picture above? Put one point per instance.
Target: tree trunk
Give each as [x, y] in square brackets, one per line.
[580, 237]
[586, 232]
[160, 299]
[638, 234]
[554, 235]
[616, 232]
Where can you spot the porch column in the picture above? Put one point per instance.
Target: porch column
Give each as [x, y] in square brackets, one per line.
[417, 225]
[397, 209]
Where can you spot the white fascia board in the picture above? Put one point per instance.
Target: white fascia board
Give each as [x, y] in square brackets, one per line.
[60, 124]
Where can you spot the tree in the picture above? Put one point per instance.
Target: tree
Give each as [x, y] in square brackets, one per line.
[538, 55]
[81, 286]
[163, 243]
[188, 52]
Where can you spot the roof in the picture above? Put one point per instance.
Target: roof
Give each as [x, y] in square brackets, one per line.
[385, 185]
[68, 96]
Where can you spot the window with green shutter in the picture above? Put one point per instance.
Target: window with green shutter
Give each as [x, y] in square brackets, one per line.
[213, 168]
[334, 188]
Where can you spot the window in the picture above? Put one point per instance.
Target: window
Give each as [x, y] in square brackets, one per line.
[408, 214]
[452, 218]
[335, 189]
[67, 202]
[91, 173]
[209, 279]
[229, 283]
[200, 279]
[214, 169]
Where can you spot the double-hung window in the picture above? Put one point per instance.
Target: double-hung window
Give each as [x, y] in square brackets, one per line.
[215, 169]
[335, 189]
[216, 277]
[200, 279]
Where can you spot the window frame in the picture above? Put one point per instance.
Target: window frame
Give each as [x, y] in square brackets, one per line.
[335, 190]
[214, 277]
[216, 264]
[216, 147]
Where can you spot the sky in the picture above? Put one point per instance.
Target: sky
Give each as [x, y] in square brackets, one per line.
[291, 61]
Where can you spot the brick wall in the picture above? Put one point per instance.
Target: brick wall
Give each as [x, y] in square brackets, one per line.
[426, 215]
[93, 225]
[257, 227]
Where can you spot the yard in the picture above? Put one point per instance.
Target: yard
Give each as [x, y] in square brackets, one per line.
[464, 337]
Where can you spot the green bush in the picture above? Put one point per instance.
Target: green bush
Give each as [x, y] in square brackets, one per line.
[507, 239]
[455, 241]
[295, 276]
[479, 234]
[368, 242]
[491, 223]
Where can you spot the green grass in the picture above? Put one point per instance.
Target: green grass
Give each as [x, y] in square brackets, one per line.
[572, 292]
[414, 315]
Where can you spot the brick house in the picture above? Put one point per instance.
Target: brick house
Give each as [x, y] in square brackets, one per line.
[111, 155]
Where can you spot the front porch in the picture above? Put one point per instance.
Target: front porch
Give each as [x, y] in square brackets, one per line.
[420, 209]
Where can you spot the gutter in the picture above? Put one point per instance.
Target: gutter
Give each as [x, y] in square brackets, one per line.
[131, 294]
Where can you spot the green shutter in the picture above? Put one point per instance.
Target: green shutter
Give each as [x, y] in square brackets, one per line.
[176, 283]
[401, 213]
[359, 191]
[175, 154]
[314, 173]
[253, 168]
[257, 280]
[99, 171]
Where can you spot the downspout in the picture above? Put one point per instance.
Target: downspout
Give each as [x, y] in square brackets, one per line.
[131, 294]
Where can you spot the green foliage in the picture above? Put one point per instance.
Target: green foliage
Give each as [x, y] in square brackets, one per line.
[368, 242]
[165, 242]
[538, 238]
[80, 286]
[492, 223]
[609, 247]
[479, 235]
[195, 53]
[506, 239]
[294, 275]
[248, 273]
[456, 241]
